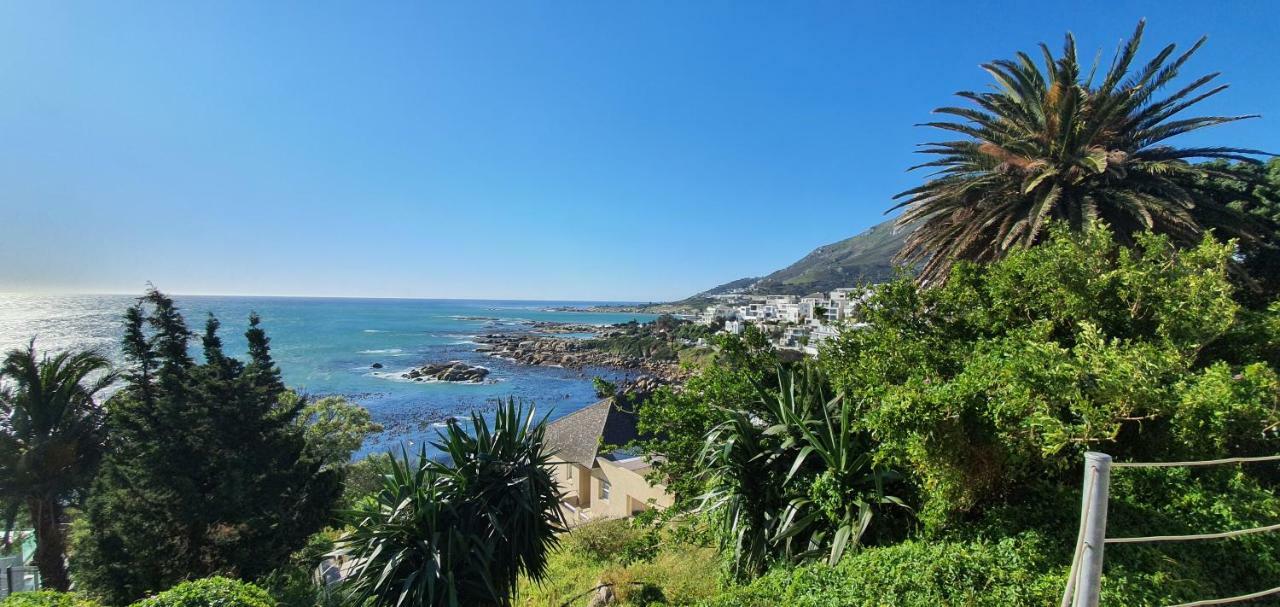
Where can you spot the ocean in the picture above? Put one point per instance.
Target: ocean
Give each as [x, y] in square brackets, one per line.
[326, 346]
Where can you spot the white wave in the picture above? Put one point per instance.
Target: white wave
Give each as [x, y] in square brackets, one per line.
[374, 331]
[386, 351]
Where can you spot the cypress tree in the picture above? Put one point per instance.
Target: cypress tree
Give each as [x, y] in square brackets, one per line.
[205, 473]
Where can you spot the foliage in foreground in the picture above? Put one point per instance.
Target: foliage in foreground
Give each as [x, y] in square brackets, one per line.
[304, 581]
[644, 564]
[463, 531]
[988, 390]
[1052, 143]
[985, 565]
[791, 477]
[207, 473]
[676, 422]
[46, 598]
[210, 592]
[51, 441]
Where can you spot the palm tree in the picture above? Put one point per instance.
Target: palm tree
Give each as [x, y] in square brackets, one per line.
[1047, 144]
[51, 440]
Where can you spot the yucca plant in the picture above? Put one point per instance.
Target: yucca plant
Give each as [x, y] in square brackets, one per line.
[1052, 143]
[846, 487]
[459, 532]
[789, 476]
[745, 500]
[503, 478]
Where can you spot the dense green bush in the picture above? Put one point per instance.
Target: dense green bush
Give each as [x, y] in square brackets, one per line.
[296, 583]
[675, 422]
[46, 598]
[990, 388]
[615, 540]
[1012, 572]
[210, 592]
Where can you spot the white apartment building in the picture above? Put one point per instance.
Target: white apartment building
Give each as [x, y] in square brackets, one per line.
[711, 313]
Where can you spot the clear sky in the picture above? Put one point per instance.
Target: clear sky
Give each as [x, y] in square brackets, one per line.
[576, 150]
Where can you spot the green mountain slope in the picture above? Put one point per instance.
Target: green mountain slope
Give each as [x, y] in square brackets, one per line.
[864, 258]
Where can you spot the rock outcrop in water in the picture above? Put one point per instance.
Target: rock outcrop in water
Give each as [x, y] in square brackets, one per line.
[454, 371]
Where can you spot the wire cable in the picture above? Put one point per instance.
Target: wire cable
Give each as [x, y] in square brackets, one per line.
[1211, 462]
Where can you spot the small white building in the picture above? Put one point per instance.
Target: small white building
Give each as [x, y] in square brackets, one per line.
[711, 313]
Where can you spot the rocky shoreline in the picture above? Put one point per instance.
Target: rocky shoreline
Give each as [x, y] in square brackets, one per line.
[532, 349]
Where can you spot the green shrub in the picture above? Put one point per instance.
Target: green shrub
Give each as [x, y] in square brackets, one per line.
[615, 540]
[1013, 572]
[46, 598]
[295, 584]
[604, 388]
[677, 574]
[998, 381]
[210, 592]
[602, 540]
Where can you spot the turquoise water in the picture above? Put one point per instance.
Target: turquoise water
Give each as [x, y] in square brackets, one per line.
[326, 346]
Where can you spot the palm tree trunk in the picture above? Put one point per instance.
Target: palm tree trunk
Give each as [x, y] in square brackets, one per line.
[46, 517]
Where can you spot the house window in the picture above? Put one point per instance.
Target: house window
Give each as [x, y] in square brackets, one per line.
[568, 471]
[604, 489]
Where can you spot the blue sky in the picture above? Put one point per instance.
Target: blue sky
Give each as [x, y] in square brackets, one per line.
[576, 150]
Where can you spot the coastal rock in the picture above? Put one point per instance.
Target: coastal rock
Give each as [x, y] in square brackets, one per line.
[452, 371]
[533, 348]
[640, 388]
[375, 366]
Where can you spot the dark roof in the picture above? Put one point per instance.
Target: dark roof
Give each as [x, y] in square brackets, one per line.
[577, 436]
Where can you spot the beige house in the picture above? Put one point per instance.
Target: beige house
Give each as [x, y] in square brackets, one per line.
[598, 483]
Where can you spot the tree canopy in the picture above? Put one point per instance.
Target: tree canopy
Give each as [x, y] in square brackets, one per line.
[207, 471]
[998, 381]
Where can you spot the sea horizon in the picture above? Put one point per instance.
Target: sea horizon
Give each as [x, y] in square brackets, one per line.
[328, 346]
[135, 294]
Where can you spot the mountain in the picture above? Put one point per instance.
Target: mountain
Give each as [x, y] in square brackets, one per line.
[864, 258]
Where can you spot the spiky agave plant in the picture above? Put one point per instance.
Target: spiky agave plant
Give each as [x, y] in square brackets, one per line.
[835, 503]
[459, 532]
[745, 498]
[1048, 143]
[790, 477]
[503, 478]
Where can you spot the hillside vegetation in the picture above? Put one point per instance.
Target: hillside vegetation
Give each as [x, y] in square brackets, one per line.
[864, 258]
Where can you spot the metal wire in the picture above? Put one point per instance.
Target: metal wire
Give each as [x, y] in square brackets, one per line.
[1211, 462]
[1230, 599]
[1182, 538]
